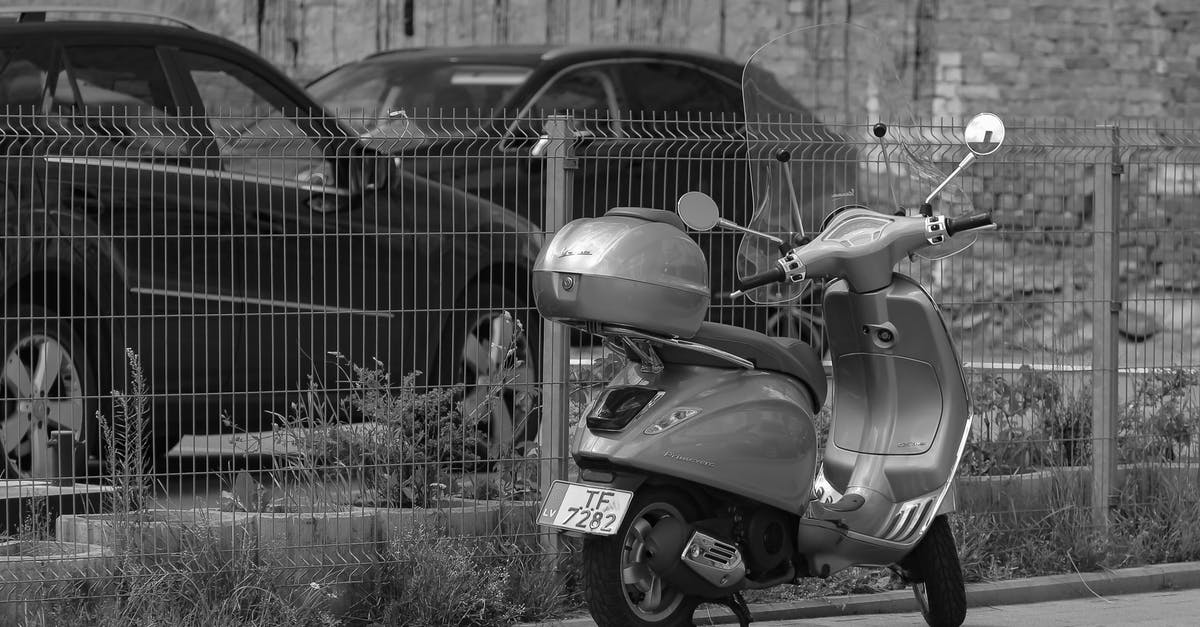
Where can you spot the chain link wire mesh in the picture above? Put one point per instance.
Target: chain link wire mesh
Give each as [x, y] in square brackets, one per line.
[320, 334]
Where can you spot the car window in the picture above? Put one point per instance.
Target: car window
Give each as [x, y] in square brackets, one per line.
[119, 93]
[587, 94]
[22, 80]
[254, 124]
[113, 79]
[660, 90]
[370, 91]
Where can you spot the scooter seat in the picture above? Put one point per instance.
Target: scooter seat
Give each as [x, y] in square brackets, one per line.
[778, 354]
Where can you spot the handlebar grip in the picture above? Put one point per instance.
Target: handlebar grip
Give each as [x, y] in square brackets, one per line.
[774, 275]
[958, 225]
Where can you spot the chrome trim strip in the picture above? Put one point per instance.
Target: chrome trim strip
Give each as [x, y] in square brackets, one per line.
[279, 304]
[203, 172]
[700, 348]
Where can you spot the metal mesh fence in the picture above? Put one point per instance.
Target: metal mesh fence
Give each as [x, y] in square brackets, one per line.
[321, 333]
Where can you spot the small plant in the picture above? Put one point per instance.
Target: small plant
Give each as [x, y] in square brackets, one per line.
[36, 523]
[127, 440]
[1006, 446]
[1068, 429]
[414, 445]
[1027, 423]
[1161, 419]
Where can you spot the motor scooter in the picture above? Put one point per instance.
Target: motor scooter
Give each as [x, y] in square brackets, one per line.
[701, 469]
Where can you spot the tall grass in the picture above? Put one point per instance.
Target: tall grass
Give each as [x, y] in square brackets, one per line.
[420, 578]
[431, 580]
[1152, 521]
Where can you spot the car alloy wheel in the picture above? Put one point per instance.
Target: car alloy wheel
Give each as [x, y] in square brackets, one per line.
[496, 357]
[43, 392]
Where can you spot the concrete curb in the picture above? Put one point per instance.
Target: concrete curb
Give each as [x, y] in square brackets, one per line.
[1179, 575]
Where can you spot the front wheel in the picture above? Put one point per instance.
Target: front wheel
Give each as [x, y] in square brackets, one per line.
[937, 577]
[620, 588]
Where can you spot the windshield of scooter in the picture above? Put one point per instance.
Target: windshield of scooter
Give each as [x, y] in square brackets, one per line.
[829, 124]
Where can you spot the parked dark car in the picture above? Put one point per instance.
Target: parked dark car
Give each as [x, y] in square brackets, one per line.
[664, 121]
[170, 192]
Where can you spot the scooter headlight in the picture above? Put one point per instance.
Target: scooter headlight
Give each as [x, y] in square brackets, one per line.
[617, 406]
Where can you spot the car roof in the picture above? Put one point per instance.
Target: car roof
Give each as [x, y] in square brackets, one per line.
[533, 55]
[68, 28]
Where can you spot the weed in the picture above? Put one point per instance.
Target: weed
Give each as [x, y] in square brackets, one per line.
[127, 441]
[434, 580]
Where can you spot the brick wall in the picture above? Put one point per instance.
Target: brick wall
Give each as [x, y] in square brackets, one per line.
[1086, 59]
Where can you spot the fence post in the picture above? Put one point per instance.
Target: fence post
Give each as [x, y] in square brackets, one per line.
[1105, 311]
[557, 148]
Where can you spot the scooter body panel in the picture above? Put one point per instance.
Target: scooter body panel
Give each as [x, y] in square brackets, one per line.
[900, 419]
[749, 433]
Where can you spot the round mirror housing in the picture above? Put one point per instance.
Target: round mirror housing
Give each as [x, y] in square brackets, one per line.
[985, 133]
[698, 210]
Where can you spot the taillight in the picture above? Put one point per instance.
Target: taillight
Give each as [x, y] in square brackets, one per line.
[617, 406]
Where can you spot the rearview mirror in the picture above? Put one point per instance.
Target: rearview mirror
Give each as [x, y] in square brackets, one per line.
[985, 133]
[698, 210]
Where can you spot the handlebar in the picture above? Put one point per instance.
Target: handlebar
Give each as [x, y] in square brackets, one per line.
[766, 277]
[955, 226]
[866, 264]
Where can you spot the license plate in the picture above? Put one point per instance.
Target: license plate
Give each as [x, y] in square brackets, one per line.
[584, 508]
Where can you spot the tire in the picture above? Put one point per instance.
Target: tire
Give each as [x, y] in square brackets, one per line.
[49, 383]
[611, 601]
[937, 578]
[496, 364]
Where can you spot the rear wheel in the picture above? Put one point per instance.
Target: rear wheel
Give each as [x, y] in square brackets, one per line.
[936, 575]
[620, 588]
[49, 385]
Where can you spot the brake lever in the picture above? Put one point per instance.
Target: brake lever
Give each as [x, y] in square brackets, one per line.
[793, 240]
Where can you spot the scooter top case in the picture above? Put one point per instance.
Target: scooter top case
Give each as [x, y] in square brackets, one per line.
[632, 267]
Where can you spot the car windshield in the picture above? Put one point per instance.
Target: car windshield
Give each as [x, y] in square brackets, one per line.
[369, 95]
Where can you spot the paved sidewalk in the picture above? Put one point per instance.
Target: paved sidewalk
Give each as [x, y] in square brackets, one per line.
[1167, 608]
[1162, 594]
